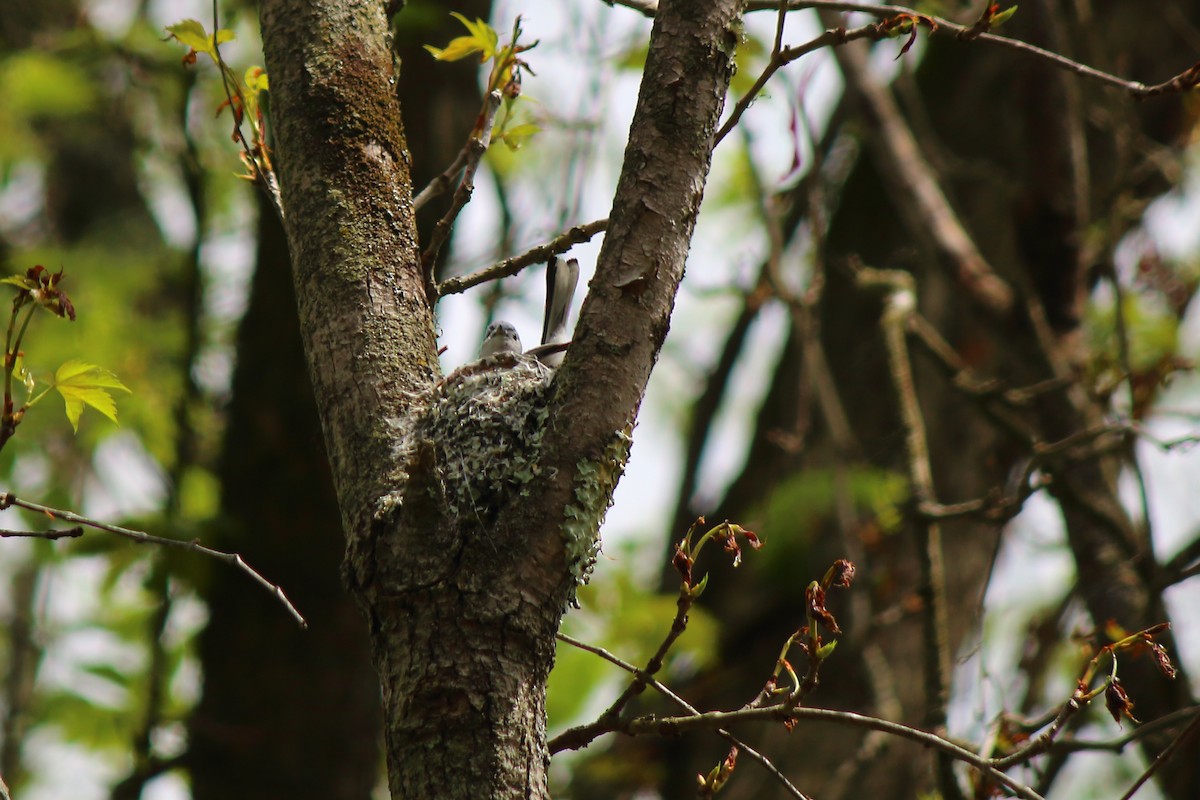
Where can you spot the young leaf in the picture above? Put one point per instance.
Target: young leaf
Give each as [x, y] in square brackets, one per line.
[457, 50]
[483, 40]
[482, 32]
[21, 282]
[516, 136]
[192, 34]
[82, 384]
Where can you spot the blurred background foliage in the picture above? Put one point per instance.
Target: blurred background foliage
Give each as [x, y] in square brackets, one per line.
[137, 672]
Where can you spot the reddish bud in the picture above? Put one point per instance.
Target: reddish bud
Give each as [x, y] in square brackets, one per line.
[814, 596]
[1117, 701]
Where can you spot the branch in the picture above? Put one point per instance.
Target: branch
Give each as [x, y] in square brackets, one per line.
[469, 153]
[69, 533]
[1185, 80]
[511, 266]
[915, 189]
[900, 304]
[672, 726]
[1166, 755]
[475, 147]
[679, 701]
[8, 500]
[583, 735]
[1072, 745]
[264, 178]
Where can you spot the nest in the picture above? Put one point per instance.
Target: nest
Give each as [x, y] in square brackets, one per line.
[482, 427]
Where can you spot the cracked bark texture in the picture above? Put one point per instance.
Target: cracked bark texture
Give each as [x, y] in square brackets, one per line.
[462, 615]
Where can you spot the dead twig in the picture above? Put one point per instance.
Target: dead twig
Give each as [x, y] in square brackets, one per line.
[8, 500]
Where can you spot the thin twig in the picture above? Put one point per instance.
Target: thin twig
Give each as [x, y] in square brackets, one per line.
[671, 726]
[781, 58]
[68, 533]
[685, 705]
[583, 735]
[511, 266]
[1183, 81]
[900, 304]
[476, 146]
[265, 180]
[441, 184]
[1072, 744]
[915, 189]
[7, 500]
[1163, 757]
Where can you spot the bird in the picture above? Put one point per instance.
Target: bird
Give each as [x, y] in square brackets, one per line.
[561, 280]
[502, 336]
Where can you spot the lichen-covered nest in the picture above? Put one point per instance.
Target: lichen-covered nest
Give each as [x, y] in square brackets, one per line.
[483, 425]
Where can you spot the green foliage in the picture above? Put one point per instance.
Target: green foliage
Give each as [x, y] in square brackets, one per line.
[1153, 331]
[504, 77]
[82, 103]
[78, 382]
[44, 85]
[1002, 17]
[243, 97]
[806, 499]
[482, 39]
[81, 383]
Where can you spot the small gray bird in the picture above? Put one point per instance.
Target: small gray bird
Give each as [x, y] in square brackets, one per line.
[501, 337]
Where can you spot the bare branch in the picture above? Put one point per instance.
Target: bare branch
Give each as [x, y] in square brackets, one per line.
[1070, 744]
[476, 146]
[782, 57]
[470, 152]
[900, 304]
[673, 726]
[684, 704]
[1166, 755]
[915, 189]
[1187, 79]
[511, 266]
[69, 533]
[7, 500]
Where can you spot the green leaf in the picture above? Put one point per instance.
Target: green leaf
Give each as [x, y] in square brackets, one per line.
[517, 135]
[1003, 17]
[482, 40]
[256, 79]
[191, 34]
[20, 281]
[485, 34]
[109, 673]
[457, 50]
[82, 384]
